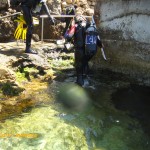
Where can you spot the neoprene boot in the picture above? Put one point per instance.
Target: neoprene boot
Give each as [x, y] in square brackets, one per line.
[29, 50]
[80, 80]
[28, 45]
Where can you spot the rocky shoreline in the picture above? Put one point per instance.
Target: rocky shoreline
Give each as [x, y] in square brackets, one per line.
[22, 74]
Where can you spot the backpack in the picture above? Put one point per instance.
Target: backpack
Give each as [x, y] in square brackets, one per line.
[91, 40]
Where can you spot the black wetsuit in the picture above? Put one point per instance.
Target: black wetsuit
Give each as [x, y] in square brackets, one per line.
[81, 58]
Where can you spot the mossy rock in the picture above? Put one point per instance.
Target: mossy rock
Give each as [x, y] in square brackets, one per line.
[11, 89]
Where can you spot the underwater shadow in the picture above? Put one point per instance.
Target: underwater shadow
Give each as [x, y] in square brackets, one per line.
[135, 100]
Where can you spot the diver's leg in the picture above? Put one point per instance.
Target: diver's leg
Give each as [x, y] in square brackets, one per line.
[28, 18]
[79, 56]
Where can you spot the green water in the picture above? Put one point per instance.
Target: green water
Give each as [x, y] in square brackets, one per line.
[52, 126]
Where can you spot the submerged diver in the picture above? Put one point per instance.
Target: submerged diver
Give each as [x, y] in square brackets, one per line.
[27, 7]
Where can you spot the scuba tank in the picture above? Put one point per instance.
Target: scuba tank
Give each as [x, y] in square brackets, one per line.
[91, 40]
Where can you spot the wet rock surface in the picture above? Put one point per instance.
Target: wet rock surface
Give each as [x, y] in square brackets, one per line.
[18, 69]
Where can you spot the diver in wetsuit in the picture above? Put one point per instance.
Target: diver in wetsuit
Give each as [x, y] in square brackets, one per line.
[27, 7]
[82, 56]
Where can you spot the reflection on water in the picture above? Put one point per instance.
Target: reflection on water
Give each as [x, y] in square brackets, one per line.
[52, 126]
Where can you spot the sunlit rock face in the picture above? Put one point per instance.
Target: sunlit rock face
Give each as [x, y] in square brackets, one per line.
[3, 4]
[124, 29]
[7, 25]
[85, 7]
[6, 75]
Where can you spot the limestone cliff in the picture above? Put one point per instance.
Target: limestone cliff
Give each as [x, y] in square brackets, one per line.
[124, 29]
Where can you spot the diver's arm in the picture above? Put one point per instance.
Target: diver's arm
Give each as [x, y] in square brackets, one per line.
[47, 11]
